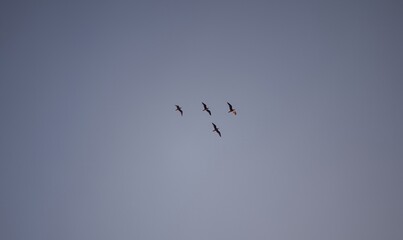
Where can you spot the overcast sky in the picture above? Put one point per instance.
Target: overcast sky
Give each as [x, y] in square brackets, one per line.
[91, 146]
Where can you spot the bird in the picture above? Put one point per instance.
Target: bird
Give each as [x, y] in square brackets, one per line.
[216, 129]
[178, 108]
[231, 110]
[206, 108]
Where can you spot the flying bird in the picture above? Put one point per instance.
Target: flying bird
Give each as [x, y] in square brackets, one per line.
[206, 108]
[179, 109]
[216, 129]
[231, 110]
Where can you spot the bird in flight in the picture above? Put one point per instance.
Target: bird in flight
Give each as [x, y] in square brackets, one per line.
[231, 110]
[216, 129]
[179, 109]
[206, 108]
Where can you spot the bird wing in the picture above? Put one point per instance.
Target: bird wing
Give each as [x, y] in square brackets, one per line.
[219, 133]
[215, 127]
[209, 112]
[229, 105]
[180, 110]
[204, 105]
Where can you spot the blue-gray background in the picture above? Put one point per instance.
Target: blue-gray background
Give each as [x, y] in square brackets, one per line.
[91, 147]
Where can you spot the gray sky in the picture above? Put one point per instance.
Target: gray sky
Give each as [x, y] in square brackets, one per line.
[91, 147]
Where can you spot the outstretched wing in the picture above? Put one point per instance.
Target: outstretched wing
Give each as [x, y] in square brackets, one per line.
[209, 112]
[215, 127]
[204, 105]
[230, 106]
[178, 108]
[219, 133]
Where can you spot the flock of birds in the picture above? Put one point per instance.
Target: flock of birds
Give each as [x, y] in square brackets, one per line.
[205, 108]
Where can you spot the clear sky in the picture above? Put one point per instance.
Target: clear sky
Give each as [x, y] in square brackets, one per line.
[91, 146]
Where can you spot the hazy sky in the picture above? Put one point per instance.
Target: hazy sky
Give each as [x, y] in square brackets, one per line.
[91, 146]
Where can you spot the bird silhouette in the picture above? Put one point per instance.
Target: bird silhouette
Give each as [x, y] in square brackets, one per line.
[206, 108]
[178, 108]
[216, 129]
[231, 110]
